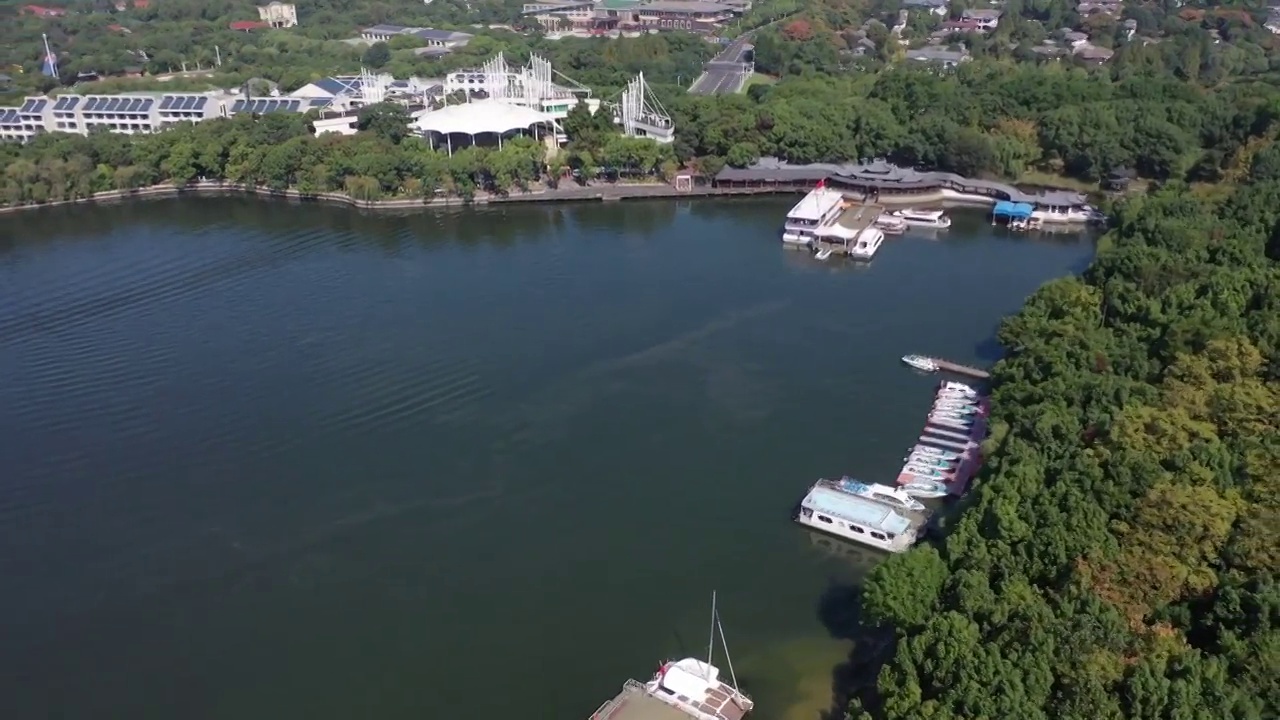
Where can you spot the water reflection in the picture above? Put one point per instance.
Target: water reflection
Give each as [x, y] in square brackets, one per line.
[855, 556]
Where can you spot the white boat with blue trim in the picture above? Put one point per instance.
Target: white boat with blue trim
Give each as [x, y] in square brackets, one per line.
[855, 518]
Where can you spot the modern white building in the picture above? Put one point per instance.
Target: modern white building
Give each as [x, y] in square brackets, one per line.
[131, 113]
[531, 86]
[278, 14]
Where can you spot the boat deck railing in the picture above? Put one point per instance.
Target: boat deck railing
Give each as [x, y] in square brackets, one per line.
[605, 711]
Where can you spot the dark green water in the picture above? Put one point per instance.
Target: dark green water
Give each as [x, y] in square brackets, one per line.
[267, 460]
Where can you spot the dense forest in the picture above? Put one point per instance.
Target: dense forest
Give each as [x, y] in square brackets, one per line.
[1118, 558]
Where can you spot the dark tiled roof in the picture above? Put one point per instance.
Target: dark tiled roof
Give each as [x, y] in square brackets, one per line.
[887, 176]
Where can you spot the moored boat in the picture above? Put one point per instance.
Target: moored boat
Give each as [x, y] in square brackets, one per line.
[818, 209]
[880, 493]
[891, 225]
[691, 687]
[927, 450]
[923, 218]
[920, 362]
[866, 244]
[958, 387]
[925, 489]
[855, 518]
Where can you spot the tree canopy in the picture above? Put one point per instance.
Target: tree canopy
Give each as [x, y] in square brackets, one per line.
[1118, 556]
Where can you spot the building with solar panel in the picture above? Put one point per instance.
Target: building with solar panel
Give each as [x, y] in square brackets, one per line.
[133, 113]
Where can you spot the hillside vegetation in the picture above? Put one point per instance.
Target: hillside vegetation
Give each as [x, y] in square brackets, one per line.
[1119, 557]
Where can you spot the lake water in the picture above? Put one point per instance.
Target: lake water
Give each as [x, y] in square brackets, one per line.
[269, 460]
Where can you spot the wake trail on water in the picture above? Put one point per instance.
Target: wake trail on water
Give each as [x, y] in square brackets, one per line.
[543, 417]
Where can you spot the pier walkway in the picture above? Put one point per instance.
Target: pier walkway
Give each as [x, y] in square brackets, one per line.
[958, 369]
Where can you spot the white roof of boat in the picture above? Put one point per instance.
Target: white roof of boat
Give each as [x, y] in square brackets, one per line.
[690, 677]
[816, 204]
[857, 509]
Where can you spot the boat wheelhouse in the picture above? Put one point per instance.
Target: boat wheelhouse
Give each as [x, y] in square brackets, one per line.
[855, 518]
[923, 218]
[688, 688]
[819, 209]
[891, 225]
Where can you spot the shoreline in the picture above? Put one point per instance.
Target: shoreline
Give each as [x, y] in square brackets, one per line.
[563, 194]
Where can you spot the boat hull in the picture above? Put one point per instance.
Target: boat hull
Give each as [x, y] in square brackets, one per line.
[900, 543]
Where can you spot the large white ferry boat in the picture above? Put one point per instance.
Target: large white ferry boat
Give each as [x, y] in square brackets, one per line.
[820, 208]
[688, 688]
[856, 518]
[924, 218]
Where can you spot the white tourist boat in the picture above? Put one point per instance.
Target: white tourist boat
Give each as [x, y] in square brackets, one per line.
[691, 687]
[925, 489]
[819, 209]
[958, 387]
[923, 218]
[952, 420]
[891, 496]
[891, 225]
[1069, 214]
[957, 408]
[920, 362]
[867, 243]
[855, 518]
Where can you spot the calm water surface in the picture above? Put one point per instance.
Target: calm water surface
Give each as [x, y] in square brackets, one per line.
[267, 460]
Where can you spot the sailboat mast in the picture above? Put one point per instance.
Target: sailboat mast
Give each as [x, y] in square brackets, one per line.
[711, 644]
[732, 676]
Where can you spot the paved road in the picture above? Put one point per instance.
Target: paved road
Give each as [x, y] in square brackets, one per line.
[725, 73]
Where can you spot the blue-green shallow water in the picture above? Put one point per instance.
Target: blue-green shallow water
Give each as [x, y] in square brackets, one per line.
[269, 460]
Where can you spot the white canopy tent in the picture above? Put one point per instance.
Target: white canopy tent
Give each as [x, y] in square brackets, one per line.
[482, 117]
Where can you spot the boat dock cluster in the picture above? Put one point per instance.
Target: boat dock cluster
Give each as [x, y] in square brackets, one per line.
[826, 222]
[942, 463]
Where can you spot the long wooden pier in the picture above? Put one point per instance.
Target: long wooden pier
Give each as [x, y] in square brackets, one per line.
[957, 368]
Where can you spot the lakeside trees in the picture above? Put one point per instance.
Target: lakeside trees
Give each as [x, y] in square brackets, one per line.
[1118, 557]
[278, 151]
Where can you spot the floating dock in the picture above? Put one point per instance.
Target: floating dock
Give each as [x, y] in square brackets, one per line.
[958, 369]
[952, 439]
[841, 234]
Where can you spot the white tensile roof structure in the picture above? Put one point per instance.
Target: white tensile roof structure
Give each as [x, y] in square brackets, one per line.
[481, 116]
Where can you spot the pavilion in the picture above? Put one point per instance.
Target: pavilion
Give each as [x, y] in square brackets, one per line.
[483, 123]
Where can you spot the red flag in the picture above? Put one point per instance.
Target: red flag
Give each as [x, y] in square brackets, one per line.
[822, 183]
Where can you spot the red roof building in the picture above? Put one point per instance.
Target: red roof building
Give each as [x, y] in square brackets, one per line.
[44, 12]
[248, 25]
[965, 25]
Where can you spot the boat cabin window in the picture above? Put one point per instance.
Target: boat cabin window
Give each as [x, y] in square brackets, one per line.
[856, 529]
[878, 536]
[825, 519]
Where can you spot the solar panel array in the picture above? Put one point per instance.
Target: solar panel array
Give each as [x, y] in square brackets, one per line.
[67, 103]
[266, 105]
[34, 105]
[118, 105]
[9, 116]
[183, 103]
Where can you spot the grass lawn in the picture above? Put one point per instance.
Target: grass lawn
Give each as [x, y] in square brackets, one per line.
[758, 79]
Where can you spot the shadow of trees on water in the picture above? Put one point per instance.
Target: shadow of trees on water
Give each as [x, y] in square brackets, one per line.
[840, 611]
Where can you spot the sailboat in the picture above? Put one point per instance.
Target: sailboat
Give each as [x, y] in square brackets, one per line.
[691, 686]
